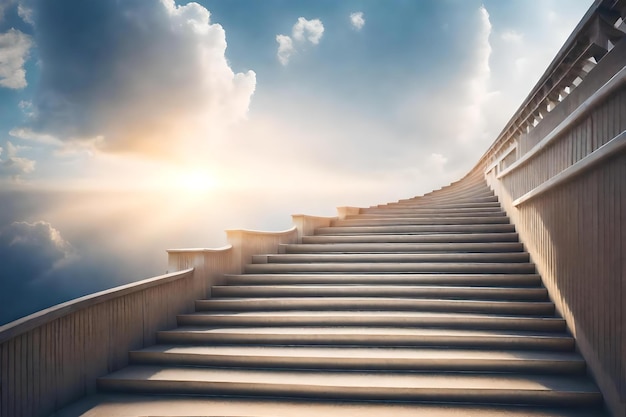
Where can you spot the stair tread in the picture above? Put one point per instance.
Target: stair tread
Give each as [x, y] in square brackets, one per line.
[408, 291]
[505, 257]
[365, 314]
[129, 405]
[365, 352]
[399, 247]
[369, 298]
[413, 237]
[384, 279]
[413, 381]
[385, 331]
[382, 287]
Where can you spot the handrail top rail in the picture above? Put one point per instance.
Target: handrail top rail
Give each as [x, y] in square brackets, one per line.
[319, 217]
[209, 250]
[261, 232]
[32, 321]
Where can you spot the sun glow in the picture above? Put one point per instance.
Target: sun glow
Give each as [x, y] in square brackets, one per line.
[195, 180]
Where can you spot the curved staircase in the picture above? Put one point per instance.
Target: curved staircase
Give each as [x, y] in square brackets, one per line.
[428, 306]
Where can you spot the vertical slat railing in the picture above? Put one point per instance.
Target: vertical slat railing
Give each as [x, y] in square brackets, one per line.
[566, 194]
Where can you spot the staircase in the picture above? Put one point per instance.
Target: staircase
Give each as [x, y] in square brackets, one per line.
[431, 303]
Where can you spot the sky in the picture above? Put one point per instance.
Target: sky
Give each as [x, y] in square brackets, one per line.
[128, 127]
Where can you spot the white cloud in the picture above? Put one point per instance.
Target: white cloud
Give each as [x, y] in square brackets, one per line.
[30, 135]
[168, 86]
[25, 13]
[512, 36]
[312, 30]
[357, 21]
[14, 47]
[304, 30]
[285, 48]
[14, 166]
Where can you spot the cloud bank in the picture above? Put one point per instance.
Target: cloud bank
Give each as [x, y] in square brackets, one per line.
[31, 250]
[14, 48]
[138, 75]
[303, 30]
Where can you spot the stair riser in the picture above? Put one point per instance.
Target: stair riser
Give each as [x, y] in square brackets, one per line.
[361, 364]
[404, 247]
[511, 257]
[352, 393]
[464, 342]
[418, 221]
[536, 325]
[460, 187]
[465, 194]
[451, 204]
[530, 294]
[428, 211]
[424, 305]
[460, 228]
[446, 268]
[467, 198]
[417, 214]
[404, 279]
[432, 238]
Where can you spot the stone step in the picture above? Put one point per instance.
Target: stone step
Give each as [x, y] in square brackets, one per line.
[467, 197]
[479, 247]
[363, 358]
[373, 319]
[461, 186]
[457, 190]
[416, 229]
[476, 280]
[351, 385]
[403, 291]
[457, 198]
[448, 205]
[418, 214]
[404, 267]
[369, 336]
[294, 258]
[471, 192]
[488, 238]
[530, 308]
[427, 211]
[137, 405]
[419, 220]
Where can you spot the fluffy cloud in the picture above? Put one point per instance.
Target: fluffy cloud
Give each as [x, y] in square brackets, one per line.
[30, 250]
[285, 48]
[357, 21]
[14, 47]
[304, 30]
[138, 75]
[309, 29]
[14, 166]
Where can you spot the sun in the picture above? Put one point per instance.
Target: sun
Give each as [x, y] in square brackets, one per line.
[193, 180]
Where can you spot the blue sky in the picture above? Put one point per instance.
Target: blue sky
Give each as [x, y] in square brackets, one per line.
[128, 127]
